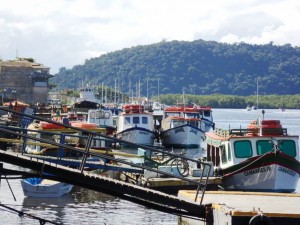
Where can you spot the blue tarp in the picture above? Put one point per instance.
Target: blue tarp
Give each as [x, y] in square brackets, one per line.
[34, 180]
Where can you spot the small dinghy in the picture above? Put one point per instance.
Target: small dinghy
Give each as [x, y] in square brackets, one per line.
[44, 188]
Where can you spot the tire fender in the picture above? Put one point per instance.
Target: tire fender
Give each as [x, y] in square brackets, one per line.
[261, 220]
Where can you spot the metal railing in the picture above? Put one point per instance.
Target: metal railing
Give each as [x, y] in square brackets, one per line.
[91, 135]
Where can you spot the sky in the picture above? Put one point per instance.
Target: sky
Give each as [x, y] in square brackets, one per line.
[64, 33]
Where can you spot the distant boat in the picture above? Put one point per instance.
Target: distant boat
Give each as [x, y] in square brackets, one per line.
[44, 188]
[248, 108]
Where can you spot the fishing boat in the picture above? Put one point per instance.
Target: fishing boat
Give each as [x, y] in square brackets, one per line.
[261, 157]
[206, 116]
[182, 127]
[63, 135]
[103, 118]
[135, 125]
[44, 188]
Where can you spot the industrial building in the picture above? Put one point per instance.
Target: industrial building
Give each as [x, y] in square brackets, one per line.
[24, 80]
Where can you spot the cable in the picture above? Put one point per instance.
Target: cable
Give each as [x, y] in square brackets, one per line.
[20, 213]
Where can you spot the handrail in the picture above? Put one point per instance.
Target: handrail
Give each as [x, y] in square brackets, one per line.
[87, 152]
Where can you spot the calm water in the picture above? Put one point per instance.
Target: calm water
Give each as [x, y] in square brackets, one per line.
[82, 206]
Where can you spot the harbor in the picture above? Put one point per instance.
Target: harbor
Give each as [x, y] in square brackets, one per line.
[292, 127]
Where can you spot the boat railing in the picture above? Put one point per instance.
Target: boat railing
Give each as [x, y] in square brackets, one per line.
[256, 132]
[221, 132]
[23, 136]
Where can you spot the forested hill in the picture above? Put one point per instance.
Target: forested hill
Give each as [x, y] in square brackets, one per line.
[198, 67]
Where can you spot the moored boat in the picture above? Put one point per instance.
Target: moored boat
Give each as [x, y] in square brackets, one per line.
[262, 157]
[135, 125]
[182, 127]
[102, 118]
[44, 188]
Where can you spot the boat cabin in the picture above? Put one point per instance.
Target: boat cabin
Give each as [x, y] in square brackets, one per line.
[134, 116]
[226, 149]
[175, 121]
[100, 117]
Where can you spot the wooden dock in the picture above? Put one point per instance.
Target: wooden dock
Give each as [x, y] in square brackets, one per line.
[238, 208]
[173, 185]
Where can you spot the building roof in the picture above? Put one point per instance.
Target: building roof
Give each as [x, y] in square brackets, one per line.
[23, 63]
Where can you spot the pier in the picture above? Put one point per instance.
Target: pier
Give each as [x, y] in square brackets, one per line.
[59, 168]
[238, 208]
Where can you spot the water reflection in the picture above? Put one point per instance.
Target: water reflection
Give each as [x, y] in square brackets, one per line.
[82, 195]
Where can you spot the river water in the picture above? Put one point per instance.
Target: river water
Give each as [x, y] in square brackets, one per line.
[87, 207]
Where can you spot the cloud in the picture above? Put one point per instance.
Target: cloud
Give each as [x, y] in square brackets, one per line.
[63, 33]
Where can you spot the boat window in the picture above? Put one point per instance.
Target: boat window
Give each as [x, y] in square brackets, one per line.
[136, 120]
[101, 115]
[97, 114]
[223, 154]
[206, 113]
[127, 120]
[191, 115]
[144, 120]
[92, 115]
[229, 153]
[167, 114]
[288, 147]
[194, 123]
[106, 115]
[264, 146]
[177, 123]
[243, 149]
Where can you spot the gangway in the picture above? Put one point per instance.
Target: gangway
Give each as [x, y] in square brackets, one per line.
[137, 194]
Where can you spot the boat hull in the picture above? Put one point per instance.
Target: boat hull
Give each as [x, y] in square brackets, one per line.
[48, 189]
[271, 173]
[137, 135]
[182, 137]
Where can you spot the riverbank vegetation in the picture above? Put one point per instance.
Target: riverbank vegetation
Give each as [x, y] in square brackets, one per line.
[232, 101]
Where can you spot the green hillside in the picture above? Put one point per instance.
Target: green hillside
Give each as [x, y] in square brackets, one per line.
[198, 67]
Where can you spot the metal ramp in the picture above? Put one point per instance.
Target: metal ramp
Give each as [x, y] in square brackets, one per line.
[144, 196]
[140, 195]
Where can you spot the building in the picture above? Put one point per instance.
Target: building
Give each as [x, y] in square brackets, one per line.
[25, 80]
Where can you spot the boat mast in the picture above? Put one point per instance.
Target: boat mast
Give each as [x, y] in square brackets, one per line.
[158, 90]
[257, 93]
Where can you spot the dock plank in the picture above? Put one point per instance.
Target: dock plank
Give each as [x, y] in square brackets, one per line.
[250, 203]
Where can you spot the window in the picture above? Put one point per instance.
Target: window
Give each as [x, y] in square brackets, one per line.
[223, 153]
[288, 147]
[264, 146]
[92, 115]
[229, 153]
[242, 149]
[127, 120]
[206, 113]
[106, 115]
[136, 120]
[144, 120]
[191, 115]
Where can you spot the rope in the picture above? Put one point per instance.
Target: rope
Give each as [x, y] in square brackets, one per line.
[229, 174]
[20, 213]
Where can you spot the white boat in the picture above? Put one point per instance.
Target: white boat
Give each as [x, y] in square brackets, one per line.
[206, 116]
[135, 125]
[182, 127]
[88, 94]
[102, 118]
[44, 188]
[262, 157]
